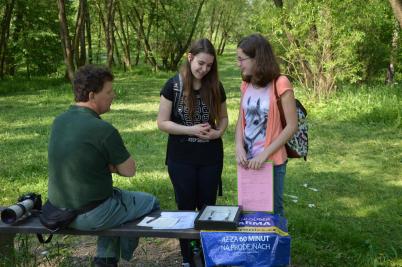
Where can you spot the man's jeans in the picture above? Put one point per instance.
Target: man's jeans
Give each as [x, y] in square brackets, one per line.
[122, 207]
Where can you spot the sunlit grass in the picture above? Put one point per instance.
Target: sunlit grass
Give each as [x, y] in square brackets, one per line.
[354, 161]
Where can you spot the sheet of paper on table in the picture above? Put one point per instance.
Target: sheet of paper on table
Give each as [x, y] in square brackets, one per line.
[158, 222]
[170, 220]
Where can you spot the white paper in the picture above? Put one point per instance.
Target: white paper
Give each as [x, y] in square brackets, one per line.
[163, 223]
[170, 220]
[185, 218]
[158, 222]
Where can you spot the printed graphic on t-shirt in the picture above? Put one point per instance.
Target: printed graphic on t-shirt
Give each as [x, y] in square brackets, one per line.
[201, 115]
[256, 107]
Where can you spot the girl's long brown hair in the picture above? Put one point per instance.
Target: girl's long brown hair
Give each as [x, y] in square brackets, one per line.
[209, 92]
[266, 66]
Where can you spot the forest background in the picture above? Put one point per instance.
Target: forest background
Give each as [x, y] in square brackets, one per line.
[342, 56]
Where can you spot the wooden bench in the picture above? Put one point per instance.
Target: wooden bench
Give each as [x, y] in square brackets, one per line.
[32, 225]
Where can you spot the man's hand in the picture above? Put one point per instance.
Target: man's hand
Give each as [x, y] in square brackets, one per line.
[112, 168]
[127, 168]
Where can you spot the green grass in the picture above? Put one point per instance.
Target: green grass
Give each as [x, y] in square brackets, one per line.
[355, 160]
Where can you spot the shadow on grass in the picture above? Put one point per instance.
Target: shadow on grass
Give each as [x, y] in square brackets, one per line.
[353, 223]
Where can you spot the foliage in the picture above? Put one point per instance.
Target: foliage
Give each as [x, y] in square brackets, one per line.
[354, 160]
[224, 22]
[35, 45]
[164, 28]
[324, 43]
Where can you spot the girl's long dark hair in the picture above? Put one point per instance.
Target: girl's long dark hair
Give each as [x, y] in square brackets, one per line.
[209, 92]
[266, 66]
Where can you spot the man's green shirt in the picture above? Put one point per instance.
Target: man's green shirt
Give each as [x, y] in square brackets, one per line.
[81, 147]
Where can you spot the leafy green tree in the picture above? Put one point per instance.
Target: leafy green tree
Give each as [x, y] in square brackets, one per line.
[325, 43]
[33, 42]
[178, 24]
[165, 29]
[7, 11]
[224, 21]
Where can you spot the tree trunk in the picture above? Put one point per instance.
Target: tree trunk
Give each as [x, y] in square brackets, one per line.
[180, 53]
[138, 46]
[141, 35]
[65, 41]
[99, 44]
[218, 26]
[389, 79]
[18, 27]
[222, 43]
[79, 37]
[124, 41]
[83, 49]
[115, 49]
[88, 32]
[225, 29]
[117, 53]
[278, 3]
[109, 32]
[102, 25]
[397, 8]
[212, 22]
[5, 32]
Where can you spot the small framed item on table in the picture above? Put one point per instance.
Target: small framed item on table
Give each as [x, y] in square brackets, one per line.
[218, 218]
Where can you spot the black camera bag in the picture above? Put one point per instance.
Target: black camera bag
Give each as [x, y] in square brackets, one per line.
[54, 218]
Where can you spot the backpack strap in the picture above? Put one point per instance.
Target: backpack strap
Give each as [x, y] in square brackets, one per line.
[177, 92]
[279, 103]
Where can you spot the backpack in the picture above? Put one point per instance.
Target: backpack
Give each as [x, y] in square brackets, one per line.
[297, 146]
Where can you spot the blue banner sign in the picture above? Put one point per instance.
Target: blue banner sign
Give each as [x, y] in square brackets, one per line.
[261, 240]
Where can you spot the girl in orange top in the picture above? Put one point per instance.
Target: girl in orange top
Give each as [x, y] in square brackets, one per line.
[259, 133]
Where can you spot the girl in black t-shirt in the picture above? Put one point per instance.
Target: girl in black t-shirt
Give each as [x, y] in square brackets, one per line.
[193, 112]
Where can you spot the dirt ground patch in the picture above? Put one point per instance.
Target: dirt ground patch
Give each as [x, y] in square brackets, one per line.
[151, 252]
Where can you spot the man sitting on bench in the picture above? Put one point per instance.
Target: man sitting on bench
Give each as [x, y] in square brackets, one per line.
[83, 153]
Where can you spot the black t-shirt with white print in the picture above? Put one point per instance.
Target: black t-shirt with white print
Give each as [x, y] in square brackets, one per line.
[191, 149]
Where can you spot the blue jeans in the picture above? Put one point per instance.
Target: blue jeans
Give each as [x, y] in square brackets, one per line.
[279, 178]
[122, 207]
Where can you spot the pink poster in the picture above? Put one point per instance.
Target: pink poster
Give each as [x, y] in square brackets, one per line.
[256, 188]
